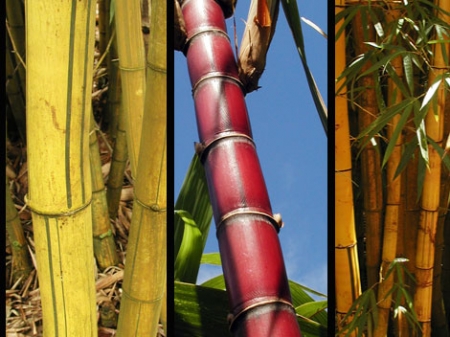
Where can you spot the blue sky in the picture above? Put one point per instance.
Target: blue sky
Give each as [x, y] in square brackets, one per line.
[290, 142]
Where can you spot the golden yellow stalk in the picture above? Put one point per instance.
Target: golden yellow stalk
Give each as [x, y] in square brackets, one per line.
[434, 125]
[347, 282]
[145, 270]
[60, 53]
[132, 70]
[393, 214]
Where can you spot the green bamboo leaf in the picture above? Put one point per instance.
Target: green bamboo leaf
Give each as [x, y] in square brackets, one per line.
[211, 258]
[193, 199]
[187, 261]
[398, 130]
[347, 15]
[422, 167]
[409, 72]
[292, 16]
[200, 311]
[430, 93]
[382, 120]
[310, 309]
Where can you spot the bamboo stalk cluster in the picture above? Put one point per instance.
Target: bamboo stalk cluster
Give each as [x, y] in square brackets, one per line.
[398, 117]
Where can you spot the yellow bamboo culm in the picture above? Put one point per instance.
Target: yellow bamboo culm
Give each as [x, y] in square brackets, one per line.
[60, 54]
[131, 52]
[393, 210]
[347, 282]
[145, 270]
[434, 126]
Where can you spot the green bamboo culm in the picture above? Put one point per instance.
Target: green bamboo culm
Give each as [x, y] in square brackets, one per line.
[104, 244]
[58, 95]
[145, 270]
[21, 262]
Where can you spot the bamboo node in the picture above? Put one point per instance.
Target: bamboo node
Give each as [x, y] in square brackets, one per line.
[214, 75]
[274, 220]
[202, 148]
[54, 215]
[276, 301]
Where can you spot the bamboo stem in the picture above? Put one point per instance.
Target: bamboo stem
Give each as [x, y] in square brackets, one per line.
[145, 271]
[59, 86]
[347, 281]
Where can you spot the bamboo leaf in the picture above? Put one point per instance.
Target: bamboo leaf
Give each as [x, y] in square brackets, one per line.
[310, 309]
[409, 72]
[217, 282]
[193, 199]
[314, 26]
[291, 11]
[406, 156]
[398, 130]
[211, 258]
[422, 141]
[445, 158]
[190, 252]
[430, 93]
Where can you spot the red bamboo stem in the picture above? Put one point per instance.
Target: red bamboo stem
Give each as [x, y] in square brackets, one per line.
[252, 260]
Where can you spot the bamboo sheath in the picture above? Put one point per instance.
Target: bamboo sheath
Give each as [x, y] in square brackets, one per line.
[259, 296]
[434, 123]
[145, 270]
[347, 283]
[59, 84]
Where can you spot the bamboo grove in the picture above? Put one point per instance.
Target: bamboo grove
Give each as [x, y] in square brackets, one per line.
[86, 167]
[392, 169]
[69, 64]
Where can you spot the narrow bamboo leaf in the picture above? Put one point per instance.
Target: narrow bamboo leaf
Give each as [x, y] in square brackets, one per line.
[409, 72]
[314, 26]
[422, 167]
[311, 308]
[347, 15]
[397, 80]
[382, 120]
[382, 62]
[187, 261]
[444, 156]
[211, 258]
[430, 93]
[396, 134]
[422, 140]
[291, 11]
